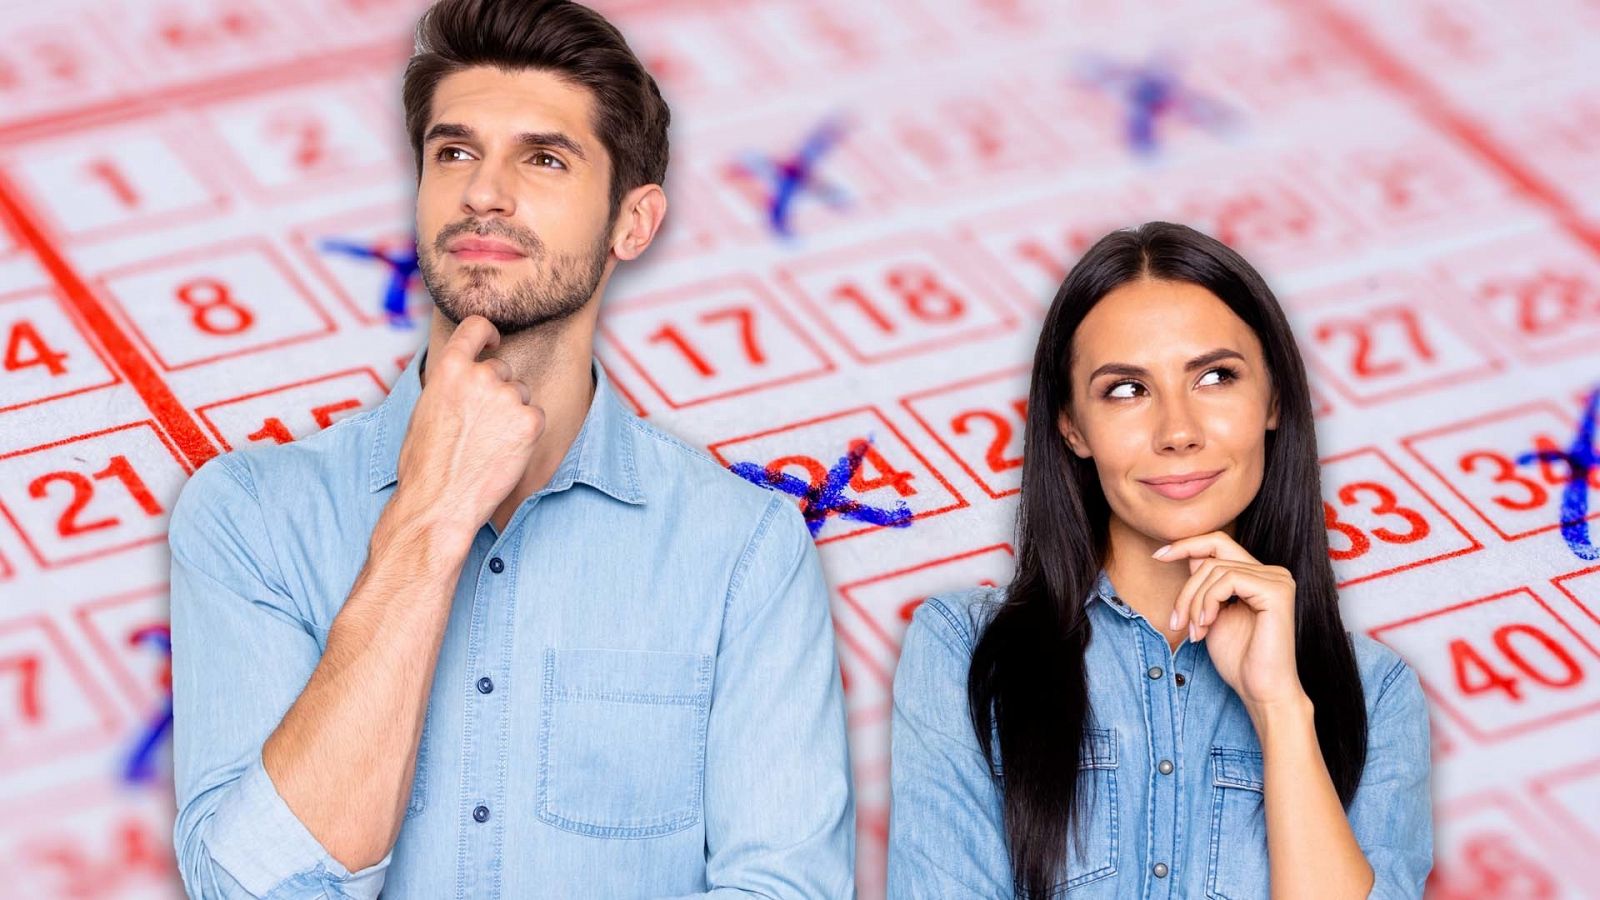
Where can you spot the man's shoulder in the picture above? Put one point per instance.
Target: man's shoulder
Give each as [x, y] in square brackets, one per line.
[692, 479]
[340, 454]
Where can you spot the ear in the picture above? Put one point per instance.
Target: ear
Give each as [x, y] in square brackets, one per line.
[638, 219]
[1070, 433]
[1272, 414]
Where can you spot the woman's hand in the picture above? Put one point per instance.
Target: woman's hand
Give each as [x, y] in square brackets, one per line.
[1251, 641]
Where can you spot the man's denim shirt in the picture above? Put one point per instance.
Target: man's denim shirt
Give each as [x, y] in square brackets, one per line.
[1173, 768]
[637, 692]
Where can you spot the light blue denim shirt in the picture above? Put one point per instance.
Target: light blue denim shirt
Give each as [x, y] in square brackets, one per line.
[1194, 828]
[637, 694]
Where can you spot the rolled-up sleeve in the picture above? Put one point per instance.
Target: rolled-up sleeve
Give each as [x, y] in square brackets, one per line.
[946, 835]
[1391, 814]
[780, 813]
[240, 657]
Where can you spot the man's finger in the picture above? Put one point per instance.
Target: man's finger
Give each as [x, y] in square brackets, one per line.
[474, 335]
[501, 368]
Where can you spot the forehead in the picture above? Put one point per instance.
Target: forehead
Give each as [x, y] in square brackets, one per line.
[1156, 322]
[497, 103]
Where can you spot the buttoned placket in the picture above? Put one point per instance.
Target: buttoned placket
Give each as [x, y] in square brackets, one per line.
[1164, 704]
[486, 720]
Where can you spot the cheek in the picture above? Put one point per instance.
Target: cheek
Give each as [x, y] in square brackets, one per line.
[1117, 461]
[430, 218]
[562, 224]
[1243, 443]
[1242, 438]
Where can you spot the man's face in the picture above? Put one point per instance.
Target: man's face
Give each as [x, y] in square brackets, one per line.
[1172, 418]
[513, 211]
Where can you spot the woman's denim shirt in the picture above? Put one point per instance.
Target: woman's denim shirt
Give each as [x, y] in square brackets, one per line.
[1173, 768]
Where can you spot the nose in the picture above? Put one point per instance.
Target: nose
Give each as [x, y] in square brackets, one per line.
[487, 193]
[1178, 428]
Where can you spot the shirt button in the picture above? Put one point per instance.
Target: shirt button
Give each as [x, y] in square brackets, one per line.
[1155, 672]
[485, 686]
[1179, 679]
[496, 566]
[481, 813]
[1165, 767]
[1159, 868]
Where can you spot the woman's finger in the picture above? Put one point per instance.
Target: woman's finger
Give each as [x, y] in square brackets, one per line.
[1213, 543]
[1216, 599]
[1207, 600]
[1205, 570]
[1260, 588]
[1193, 601]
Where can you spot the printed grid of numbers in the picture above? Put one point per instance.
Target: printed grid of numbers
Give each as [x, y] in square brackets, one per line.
[206, 209]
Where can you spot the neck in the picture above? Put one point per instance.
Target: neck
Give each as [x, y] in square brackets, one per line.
[1148, 585]
[553, 360]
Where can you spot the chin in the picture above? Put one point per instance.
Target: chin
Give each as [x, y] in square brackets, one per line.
[1172, 526]
[462, 307]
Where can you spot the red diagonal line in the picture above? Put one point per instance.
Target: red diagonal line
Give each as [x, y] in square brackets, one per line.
[169, 414]
[1435, 106]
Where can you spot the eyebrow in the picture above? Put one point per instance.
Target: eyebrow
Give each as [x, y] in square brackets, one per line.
[1199, 362]
[554, 140]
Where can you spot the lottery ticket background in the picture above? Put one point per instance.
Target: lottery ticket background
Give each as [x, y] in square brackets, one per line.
[1417, 181]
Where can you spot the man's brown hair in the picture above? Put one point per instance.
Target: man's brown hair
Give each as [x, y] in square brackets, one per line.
[557, 36]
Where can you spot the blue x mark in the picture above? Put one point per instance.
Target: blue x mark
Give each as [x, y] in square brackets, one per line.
[139, 766]
[1151, 92]
[789, 177]
[1580, 459]
[828, 498]
[402, 263]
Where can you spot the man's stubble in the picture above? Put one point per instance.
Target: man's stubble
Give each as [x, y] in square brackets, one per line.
[564, 286]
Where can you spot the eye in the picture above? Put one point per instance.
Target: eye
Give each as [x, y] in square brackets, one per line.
[1228, 374]
[444, 153]
[1110, 392]
[546, 160]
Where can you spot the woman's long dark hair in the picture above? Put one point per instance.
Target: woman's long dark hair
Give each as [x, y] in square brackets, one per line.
[1027, 687]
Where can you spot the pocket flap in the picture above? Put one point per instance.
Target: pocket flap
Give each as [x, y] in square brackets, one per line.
[628, 676]
[1237, 768]
[1099, 749]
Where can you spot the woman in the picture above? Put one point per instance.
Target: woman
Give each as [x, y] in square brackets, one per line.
[1164, 701]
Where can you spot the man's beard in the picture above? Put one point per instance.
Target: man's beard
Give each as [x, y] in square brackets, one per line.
[527, 303]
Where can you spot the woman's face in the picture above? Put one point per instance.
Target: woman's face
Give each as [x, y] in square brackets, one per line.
[1168, 381]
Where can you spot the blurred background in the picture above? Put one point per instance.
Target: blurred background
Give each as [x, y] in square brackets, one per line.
[206, 243]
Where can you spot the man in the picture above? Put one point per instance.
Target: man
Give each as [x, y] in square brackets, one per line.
[498, 637]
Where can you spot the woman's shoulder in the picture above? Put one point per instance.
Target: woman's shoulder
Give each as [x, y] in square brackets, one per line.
[1379, 667]
[958, 616]
[930, 678]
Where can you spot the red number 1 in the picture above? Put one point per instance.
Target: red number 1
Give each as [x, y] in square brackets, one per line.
[28, 690]
[742, 315]
[83, 490]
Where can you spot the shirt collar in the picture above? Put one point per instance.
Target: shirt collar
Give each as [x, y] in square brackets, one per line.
[602, 455]
[1103, 591]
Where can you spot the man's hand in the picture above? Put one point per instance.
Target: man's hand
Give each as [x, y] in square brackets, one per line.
[472, 432]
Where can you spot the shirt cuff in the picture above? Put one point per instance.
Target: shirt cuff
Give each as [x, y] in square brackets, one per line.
[262, 844]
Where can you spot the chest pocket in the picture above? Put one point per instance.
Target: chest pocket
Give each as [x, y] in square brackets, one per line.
[622, 741]
[1096, 857]
[1238, 866]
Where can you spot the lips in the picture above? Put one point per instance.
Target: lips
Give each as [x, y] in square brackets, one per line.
[1182, 486]
[484, 249]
